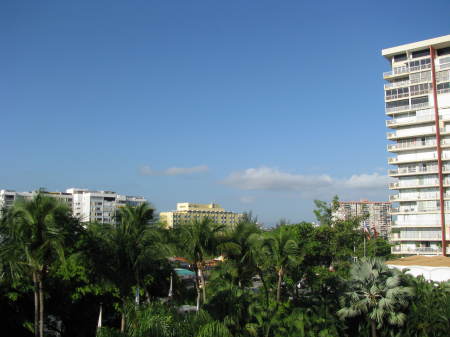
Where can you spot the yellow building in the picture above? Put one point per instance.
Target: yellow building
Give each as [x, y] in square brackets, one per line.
[187, 212]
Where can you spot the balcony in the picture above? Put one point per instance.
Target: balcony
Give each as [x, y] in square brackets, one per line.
[416, 225]
[397, 96]
[412, 133]
[411, 120]
[412, 171]
[398, 186]
[397, 71]
[413, 210]
[417, 250]
[396, 161]
[398, 147]
[417, 197]
[397, 84]
[418, 238]
[443, 66]
[443, 91]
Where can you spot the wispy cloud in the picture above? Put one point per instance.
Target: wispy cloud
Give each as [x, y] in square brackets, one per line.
[272, 179]
[266, 178]
[173, 171]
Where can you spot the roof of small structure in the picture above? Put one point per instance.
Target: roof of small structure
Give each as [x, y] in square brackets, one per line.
[428, 261]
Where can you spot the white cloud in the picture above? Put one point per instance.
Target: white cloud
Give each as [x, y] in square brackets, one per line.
[271, 179]
[173, 171]
[265, 178]
[363, 181]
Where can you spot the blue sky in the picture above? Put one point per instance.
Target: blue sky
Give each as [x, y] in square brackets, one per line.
[256, 105]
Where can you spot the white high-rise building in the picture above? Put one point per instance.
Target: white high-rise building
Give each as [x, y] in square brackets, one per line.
[86, 205]
[417, 100]
[8, 197]
[99, 206]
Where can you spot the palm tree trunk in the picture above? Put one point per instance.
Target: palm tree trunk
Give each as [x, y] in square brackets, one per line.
[280, 279]
[41, 306]
[147, 295]
[122, 320]
[198, 299]
[197, 287]
[202, 278]
[36, 305]
[373, 328]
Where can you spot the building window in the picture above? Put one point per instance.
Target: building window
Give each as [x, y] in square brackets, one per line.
[400, 57]
[420, 53]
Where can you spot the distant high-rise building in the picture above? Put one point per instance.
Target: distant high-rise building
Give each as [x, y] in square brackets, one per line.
[86, 205]
[99, 206]
[417, 98]
[187, 212]
[8, 197]
[376, 215]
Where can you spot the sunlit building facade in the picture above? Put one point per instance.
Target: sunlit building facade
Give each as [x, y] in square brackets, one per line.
[374, 215]
[86, 205]
[417, 102]
[187, 212]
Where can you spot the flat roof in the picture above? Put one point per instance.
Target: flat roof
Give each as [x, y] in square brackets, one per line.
[437, 42]
[418, 260]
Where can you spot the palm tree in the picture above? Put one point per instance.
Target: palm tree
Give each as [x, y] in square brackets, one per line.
[282, 252]
[32, 237]
[200, 240]
[375, 292]
[128, 249]
[238, 248]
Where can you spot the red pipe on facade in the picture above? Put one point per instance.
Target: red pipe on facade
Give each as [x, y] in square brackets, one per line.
[438, 149]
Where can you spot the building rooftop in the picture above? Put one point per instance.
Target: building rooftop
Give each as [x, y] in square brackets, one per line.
[364, 201]
[428, 261]
[437, 42]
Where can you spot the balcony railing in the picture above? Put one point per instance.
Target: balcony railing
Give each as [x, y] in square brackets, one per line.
[417, 250]
[396, 71]
[396, 84]
[443, 66]
[411, 120]
[443, 91]
[410, 146]
[420, 67]
[416, 184]
[405, 70]
[415, 132]
[420, 106]
[433, 157]
[413, 210]
[413, 170]
[419, 237]
[417, 106]
[397, 96]
[428, 196]
[394, 197]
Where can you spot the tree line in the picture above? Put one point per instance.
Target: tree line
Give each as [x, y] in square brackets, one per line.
[59, 277]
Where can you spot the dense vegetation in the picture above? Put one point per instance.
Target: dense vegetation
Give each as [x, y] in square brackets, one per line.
[292, 280]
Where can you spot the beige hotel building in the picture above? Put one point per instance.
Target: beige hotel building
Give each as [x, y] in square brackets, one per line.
[187, 212]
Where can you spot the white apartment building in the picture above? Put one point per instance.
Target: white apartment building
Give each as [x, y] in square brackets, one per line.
[376, 215]
[417, 100]
[99, 206]
[8, 197]
[187, 212]
[86, 205]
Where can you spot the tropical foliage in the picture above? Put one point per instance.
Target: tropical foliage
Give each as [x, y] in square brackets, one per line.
[57, 276]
